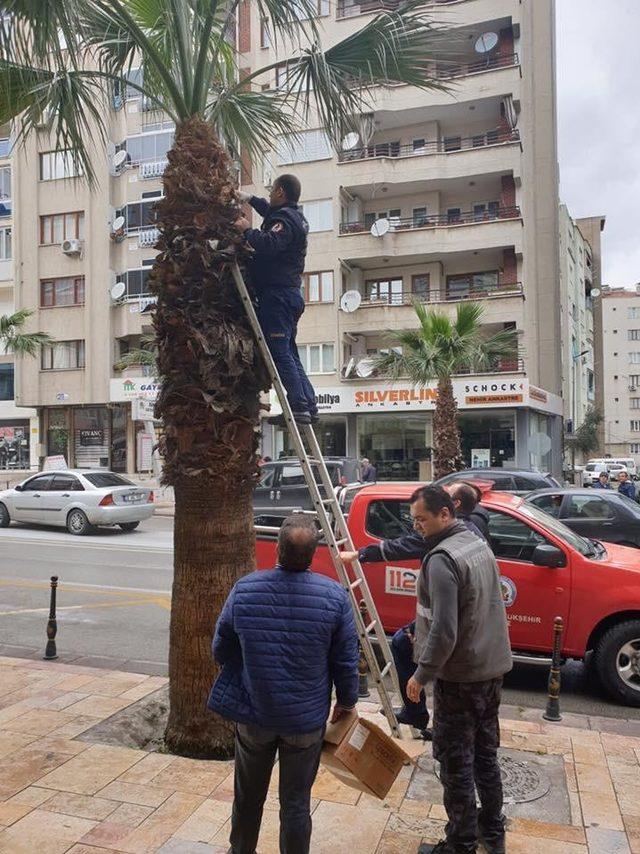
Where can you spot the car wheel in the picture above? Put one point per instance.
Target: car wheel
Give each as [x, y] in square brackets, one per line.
[77, 523]
[129, 526]
[5, 519]
[617, 662]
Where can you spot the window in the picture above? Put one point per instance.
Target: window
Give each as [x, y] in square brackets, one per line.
[140, 214]
[420, 217]
[317, 358]
[265, 36]
[64, 291]
[63, 356]
[304, 147]
[453, 215]
[5, 146]
[5, 244]
[385, 290]
[6, 381]
[634, 448]
[66, 483]
[135, 76]
[634, 358]
[107, 479]
[634, 334]
[420, 286]
[635, 426]
[478, 140]
[549, 503]
[586, 507]
[58, 164]
[452, 143]
[634, 403]
[5, 190]
[318, 287]
[388, 519]
[137, 282]
[148, 147]
[485, 210]
[321, 8]
[292, 475]
[319, 214]
[465, 284]
[512, 539]
[54, 228]
[633, 313]
[38, 484]
[419, 145]
[267, 476]
[634, 380]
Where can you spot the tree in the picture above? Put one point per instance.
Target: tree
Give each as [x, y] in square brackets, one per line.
[434, 352]
[13, 338]
[585, 439]
[58, 60]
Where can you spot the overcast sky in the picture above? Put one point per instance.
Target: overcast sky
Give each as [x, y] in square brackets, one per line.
[599, 124]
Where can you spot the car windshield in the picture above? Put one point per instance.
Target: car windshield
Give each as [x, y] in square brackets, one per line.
[580, 544]
[107, 478]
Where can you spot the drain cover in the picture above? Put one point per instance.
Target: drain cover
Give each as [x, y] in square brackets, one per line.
[521, 781]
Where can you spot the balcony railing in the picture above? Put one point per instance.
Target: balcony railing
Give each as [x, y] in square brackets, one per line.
[351, 8]
[434, 220]
[443, 294]
[436, 146]
[5, 207]
[152, 168]
[501, 366]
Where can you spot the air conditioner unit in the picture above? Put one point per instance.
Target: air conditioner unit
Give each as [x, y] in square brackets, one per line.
[72, 247]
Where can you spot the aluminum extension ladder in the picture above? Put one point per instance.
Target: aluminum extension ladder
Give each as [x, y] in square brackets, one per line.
[332, 522]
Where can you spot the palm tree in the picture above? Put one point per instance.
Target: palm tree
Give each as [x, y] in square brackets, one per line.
[437, 350]
[13, 338]
[60, 60]
[145, 355]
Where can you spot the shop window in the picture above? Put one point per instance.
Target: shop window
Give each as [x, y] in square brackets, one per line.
[6, 381]
[54, 228]
[14, 445]
[512, 539]
[388, 519]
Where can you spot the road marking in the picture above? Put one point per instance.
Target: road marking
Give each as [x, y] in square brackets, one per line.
[62, 585]
[88, 606]
[76, 542]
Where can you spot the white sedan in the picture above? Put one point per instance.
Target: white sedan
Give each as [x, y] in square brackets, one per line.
[77, 499]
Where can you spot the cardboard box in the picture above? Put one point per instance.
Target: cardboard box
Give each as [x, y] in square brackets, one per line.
[363, 756]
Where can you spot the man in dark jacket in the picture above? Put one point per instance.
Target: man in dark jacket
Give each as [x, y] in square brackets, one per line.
[462, 643]
[284, 637]
[280, 248]
[625, 486]
[369, 471]
[409, 547]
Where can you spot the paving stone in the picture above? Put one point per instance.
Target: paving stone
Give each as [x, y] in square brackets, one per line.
[603, 841]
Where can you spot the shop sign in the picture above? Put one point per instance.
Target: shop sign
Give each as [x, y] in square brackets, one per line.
[131, 388]
[142, 409]
[480, 458]
[54, 463]
[92, 438]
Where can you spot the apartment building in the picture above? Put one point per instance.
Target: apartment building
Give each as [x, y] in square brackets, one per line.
[621, 360]
[19, 435]
[440, 197]
[578, 348]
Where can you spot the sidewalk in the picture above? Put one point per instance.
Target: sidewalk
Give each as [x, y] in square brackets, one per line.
[59, 793]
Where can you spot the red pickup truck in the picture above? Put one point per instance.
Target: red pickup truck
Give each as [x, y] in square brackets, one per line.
[546, 570]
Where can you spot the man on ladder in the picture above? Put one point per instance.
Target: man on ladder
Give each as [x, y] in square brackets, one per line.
[280, 247]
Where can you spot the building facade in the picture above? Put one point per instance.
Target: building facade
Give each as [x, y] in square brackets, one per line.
[19, 433]
[621, 359]
[464, 181]
[464, 186]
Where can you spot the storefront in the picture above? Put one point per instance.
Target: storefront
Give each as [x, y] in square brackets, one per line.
[504, 422]
[14, 444]
[88, 436]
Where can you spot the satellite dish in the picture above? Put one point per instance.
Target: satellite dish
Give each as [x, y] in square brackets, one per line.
[350, 301]
[118, 291]
[486, 43]
[349, 369]
[365, 368]
[595, 292]
[380, 227]
[119, 159]
[117, 224]
[350, 141]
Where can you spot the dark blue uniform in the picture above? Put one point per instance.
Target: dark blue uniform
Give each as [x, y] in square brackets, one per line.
[276, 274]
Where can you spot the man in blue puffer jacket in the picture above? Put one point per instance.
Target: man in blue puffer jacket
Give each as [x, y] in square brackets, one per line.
[284, 637]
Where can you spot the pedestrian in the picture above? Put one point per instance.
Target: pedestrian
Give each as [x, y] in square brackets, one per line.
[369, 471]
[626, 486]
[283, 638]
[603, 481]
[280, 248]
[411, 546]
[466, 498]
[462, 643]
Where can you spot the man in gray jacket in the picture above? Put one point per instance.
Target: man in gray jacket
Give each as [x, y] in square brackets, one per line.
[462, 643]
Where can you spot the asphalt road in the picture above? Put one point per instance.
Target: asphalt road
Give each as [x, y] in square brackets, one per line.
[114, 599]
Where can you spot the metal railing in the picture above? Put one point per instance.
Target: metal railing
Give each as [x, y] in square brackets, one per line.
[351, 8]
[443, 294]
[434, 220]
[502, 366]
[436, 146]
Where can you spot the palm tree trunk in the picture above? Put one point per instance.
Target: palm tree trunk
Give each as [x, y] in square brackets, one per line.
[446, 435]
[211, 377]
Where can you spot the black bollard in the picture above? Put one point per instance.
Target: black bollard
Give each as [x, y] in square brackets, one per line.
[552, 712]
[50, 653]
[363, 684]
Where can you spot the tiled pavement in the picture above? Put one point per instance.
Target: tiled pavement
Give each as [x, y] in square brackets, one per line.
[59, 794]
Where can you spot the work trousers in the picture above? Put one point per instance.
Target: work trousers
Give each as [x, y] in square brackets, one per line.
[466, 737]
[279, 310]
[402, 651]
[299, 757]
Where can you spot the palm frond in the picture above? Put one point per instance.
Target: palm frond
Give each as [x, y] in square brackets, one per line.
[250, 120]
[14, 340]
[468, 316]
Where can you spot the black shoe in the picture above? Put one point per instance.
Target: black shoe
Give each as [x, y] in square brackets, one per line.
[298, 417]
[495, 846]
[403, 717]
[441, 847]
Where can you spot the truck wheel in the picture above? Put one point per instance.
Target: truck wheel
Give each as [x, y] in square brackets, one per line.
[77, 523]
[617, 662]
[5, 519]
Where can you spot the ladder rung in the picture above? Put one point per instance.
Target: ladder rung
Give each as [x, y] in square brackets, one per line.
[386, 669]
[356, 583]
[328, 501]
[342, 541]
[371, 625]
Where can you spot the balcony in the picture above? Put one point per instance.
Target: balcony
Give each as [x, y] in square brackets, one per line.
[444, 294]
[152, 168]
[423, 148]
[435, 220]
[357, 369]
[146, 235]
[5, 207]
[352, 8]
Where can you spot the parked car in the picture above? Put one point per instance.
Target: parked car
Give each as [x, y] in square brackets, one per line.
[78, 500]
[628, 462]
[520, 481]
[546, 570]
[597, 514]
[593, 470]
[282, 487]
